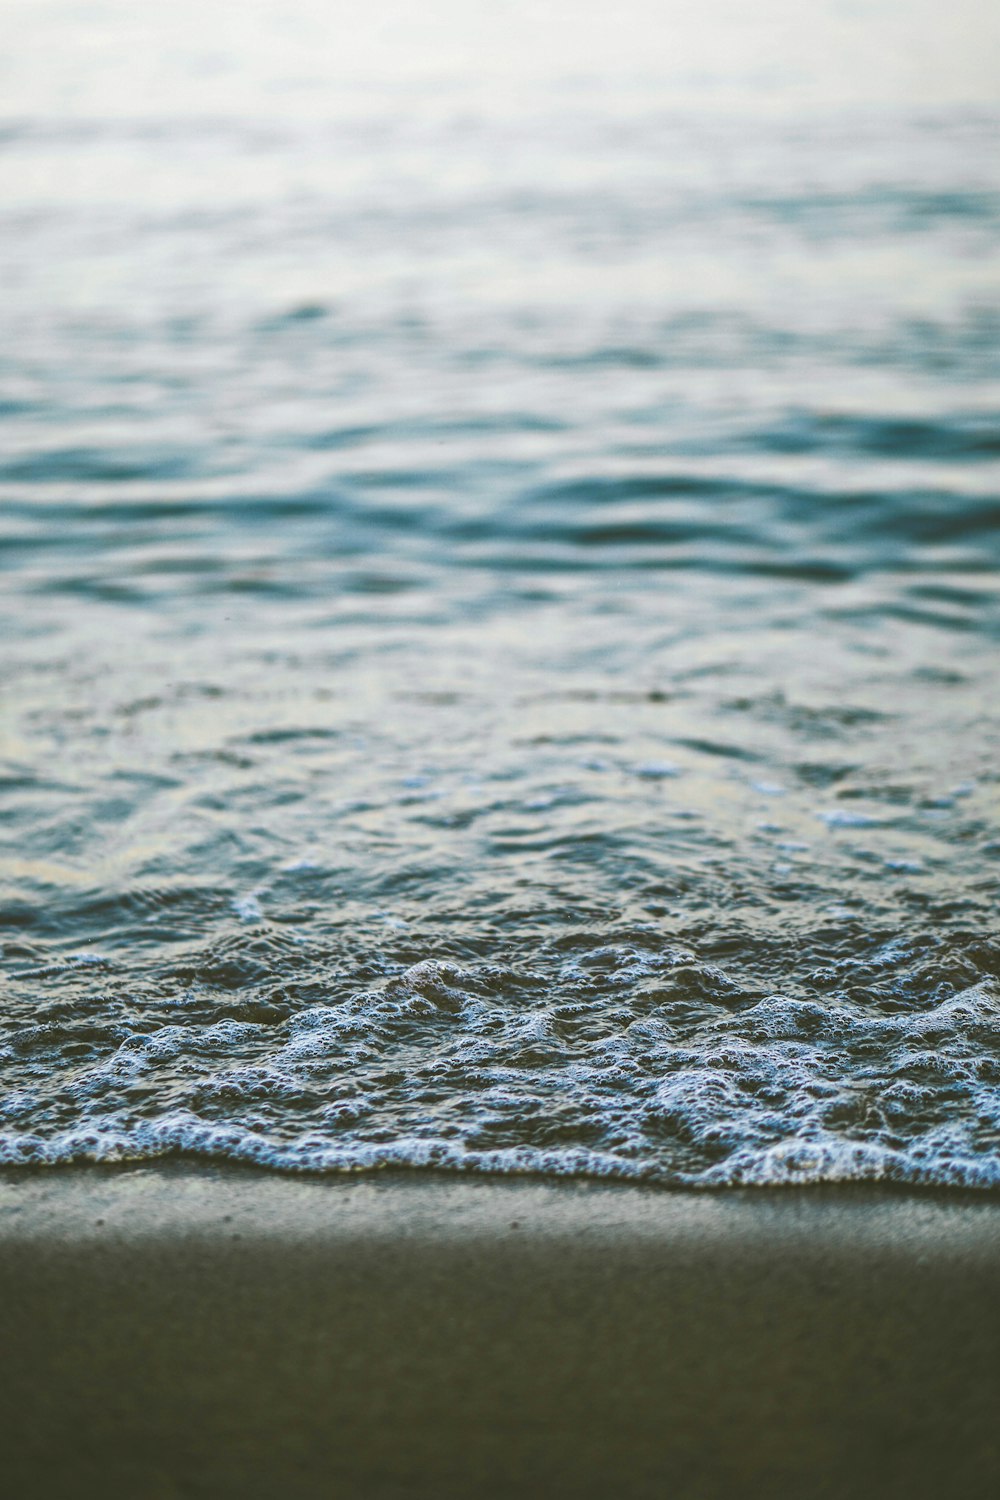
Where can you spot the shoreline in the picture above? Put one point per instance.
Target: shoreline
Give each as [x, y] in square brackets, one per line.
[203, 1331]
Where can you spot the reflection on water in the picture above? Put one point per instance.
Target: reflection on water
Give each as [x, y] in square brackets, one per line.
[499, 606]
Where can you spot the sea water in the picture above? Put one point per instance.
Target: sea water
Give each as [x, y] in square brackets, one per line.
[499, 522]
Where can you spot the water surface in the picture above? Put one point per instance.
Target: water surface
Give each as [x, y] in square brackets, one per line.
[499, 525]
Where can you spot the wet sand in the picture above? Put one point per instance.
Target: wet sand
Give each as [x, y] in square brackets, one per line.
[185, 1332]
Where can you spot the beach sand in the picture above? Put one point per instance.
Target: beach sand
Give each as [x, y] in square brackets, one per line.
[201, 1332]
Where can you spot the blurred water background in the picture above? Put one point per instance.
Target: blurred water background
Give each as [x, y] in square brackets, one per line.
[499, 527]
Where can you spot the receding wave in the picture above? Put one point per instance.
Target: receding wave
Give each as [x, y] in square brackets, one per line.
[500, 617]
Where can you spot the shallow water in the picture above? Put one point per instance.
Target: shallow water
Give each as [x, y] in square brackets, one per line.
[500, 613]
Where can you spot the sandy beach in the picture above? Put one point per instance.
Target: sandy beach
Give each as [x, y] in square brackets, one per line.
[175, 1331]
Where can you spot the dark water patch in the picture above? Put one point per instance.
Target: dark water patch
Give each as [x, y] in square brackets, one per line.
[11, 407]
[105, 590]
[301, 312]
[962, 438]
[883, 208]
[873, 529]
[923, 614]
[933, 519]
[726, 750]
[96, 466]
[343, 437]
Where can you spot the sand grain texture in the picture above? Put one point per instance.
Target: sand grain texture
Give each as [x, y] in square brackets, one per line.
[182, 1332]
